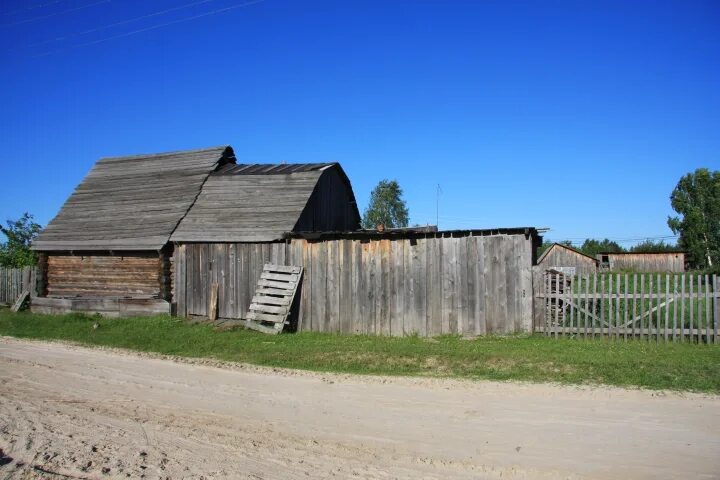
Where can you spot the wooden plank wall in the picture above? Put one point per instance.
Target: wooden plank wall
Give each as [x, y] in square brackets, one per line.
[468, 285]
[131, 274]
[648, 262]
[560, 257]
[12, 282]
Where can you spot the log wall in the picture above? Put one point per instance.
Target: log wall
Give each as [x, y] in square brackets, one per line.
[97, 275]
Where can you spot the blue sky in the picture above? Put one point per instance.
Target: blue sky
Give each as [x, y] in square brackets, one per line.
[575, 115]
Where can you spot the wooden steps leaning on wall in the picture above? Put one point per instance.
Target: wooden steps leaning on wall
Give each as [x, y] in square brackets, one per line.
[273, 298]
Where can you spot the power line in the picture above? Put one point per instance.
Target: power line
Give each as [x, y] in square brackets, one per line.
[122, 22]
[154, 27]
[69, 10]
[32, 7]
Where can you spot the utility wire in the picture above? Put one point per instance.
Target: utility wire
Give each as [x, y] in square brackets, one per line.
[32, 7]
[122, 22]
[154, 27]
[69, 10]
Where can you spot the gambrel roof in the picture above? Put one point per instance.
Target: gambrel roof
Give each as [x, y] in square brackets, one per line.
[145, 201]
[252, 203]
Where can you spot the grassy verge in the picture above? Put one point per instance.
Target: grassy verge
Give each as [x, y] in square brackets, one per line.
[534, 358]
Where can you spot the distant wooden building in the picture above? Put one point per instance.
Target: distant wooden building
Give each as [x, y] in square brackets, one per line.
[643, 261]
[568, 260]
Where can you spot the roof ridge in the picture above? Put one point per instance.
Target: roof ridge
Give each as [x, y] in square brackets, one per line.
[166, 154]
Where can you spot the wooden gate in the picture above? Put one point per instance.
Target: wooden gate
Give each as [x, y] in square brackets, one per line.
[649, 306]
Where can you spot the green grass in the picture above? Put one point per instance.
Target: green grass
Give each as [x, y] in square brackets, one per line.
[530, 358]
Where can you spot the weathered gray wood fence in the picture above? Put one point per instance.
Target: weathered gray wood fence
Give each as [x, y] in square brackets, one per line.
[12, 282]
[469, 285]
[650, 306]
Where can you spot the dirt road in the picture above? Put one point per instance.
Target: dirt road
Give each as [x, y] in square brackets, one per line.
[71, 412]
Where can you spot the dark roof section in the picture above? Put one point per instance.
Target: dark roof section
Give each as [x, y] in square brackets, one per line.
[132, 203]
[413, 233]
[271, 168]
[252, 203]
[545, 253]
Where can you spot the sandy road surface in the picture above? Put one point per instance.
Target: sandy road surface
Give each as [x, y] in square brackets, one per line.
[85, 413]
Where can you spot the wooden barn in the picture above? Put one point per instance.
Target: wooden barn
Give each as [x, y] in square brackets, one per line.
[190, 233]
[643, 261]
[567, 260]
[109, 249]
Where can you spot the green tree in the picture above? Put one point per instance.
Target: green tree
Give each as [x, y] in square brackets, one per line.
[650, 246]
[592, 247]
[696, 199]
[15, 252]
[386, 206]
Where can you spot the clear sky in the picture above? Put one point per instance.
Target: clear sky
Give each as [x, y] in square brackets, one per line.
[575, 115]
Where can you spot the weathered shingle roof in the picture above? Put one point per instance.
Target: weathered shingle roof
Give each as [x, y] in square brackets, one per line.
[250, 203]
[131, 203]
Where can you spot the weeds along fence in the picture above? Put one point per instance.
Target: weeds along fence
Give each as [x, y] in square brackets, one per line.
[648, 306]
[12, 283]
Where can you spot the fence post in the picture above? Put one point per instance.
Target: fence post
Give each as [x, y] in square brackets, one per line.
[716, 313]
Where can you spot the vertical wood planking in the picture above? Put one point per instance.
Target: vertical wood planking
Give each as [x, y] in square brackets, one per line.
[398, 327]
[547, 302]
[602, 302]
[691, 302]
[586, 281]
[716, 309]
[667, 307]
[651, 289]
[472, 292]
[320, 322]
[642, 305]
[181, 281]
[434, 286]
[610, 319]
[368, 297]
[481, 287]
[573, 302]
[707, 309]
[331, 288]
[232, 311]
[357, 288]
[307, 292]
[422, 288]
[461, 266]
[347, 294]
[410, 325]
[446, 286]
[556, 321]
[618, 288]
[626, 305]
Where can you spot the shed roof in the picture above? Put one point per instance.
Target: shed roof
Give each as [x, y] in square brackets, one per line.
[133, 202]
[575, 250]
[252, 202]
[422, 232]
